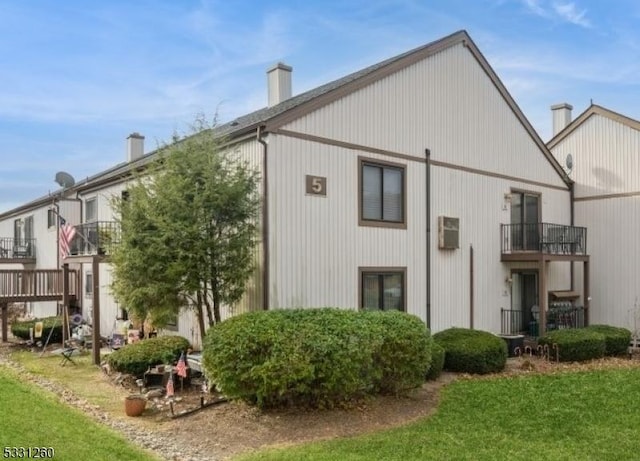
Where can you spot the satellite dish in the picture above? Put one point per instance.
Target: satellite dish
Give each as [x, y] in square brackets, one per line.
[64, 179]
[569, 162]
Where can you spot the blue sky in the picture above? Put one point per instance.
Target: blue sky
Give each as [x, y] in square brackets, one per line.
[78, 77]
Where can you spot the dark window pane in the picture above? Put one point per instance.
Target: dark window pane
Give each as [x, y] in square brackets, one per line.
[393, 294]
[371, 187]
[370, 291]
[392, 194]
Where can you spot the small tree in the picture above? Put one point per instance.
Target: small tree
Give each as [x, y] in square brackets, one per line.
[188, 231]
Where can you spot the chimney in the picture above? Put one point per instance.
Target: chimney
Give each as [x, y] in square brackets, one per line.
[135, 146]
[561, 116]
[279, 83]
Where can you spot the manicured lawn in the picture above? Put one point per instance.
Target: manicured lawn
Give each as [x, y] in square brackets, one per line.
[30, 417]
[587, 415]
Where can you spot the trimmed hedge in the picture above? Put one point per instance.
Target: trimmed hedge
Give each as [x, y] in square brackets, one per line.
[437, 361]
[21, 329]
[575, 345]
[616, 339]
[472, 351]
[315, 357]
[136, 358]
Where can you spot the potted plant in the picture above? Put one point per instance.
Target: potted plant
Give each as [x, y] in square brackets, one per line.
[135, 404]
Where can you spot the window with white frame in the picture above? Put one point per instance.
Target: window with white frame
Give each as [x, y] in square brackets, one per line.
[90, 210]
[88, 285]
[51, 218]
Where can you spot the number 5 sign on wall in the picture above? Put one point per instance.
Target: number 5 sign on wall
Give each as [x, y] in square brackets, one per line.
[316, 185]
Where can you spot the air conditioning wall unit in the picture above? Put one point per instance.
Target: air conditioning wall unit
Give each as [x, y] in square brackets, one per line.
[448, 233]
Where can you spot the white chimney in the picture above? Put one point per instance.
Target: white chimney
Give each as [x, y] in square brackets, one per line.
[279, 83]
[561, 116]
[135, 146]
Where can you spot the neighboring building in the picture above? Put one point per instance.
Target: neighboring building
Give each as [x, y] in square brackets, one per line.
[414, 184]
[601, 152]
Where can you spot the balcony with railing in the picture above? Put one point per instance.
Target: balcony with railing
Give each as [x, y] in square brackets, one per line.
[559, 316]
[21, 250]
[95, 238]
[531, 241]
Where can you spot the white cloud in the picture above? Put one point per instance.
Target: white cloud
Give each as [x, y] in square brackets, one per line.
[534, 7]
[570, 13]
[559, 11]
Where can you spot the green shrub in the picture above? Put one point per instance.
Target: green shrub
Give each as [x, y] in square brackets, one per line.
[315, 357]
[437, 361]
[21, 329]
[575, 345]
[401, 350]
[136, 358]
[616, 339]
[472, 351]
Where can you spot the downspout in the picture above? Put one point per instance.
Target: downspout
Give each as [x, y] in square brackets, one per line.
[265, 220]
[427, 154]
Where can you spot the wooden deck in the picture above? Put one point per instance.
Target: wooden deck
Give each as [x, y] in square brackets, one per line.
[36, 285]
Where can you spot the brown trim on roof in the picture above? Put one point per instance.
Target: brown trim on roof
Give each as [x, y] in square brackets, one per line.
[346, 145]
[493, 174]
[374, 150]
[516, 110]
[409, 59]
[593, 109]
[606, 196]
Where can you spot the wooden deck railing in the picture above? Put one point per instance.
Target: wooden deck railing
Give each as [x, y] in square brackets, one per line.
[35, 285]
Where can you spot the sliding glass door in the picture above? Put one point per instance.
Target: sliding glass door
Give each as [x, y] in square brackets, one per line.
[525, 218]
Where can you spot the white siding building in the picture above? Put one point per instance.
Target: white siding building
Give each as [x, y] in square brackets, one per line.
[363, 177]
[603, 148]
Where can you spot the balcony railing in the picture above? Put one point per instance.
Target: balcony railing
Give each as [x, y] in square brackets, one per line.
[95, 238]
[12, 248]
[35, 285]
[559, 316]
[554, 239]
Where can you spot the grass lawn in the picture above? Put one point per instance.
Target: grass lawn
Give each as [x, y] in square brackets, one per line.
[30, 417]
[567, 416]
[84, 379]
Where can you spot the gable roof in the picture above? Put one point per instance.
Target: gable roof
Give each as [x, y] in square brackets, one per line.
[593, 109]
[271, 118]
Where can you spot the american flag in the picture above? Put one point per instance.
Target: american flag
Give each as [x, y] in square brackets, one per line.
[67, 232]
[170, 385]
[181, 367]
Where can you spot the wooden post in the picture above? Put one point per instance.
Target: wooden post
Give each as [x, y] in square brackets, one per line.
[95, 334]
[5, 321]
[586, 292]
[65, 304]
[542, 297]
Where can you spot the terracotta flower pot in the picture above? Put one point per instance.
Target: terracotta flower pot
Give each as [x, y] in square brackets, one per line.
[134, 405]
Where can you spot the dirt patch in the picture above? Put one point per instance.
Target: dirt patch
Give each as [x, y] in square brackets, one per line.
[232, 428]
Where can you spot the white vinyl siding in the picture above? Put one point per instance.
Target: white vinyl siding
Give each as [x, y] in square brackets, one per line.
[606, 162]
